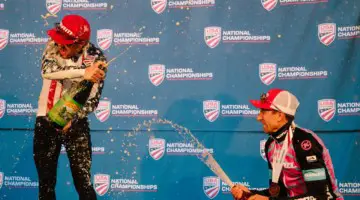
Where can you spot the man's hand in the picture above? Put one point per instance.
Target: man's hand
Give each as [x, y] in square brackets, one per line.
[238, 190]
[258, 197]
[94, 73]
[66, 127]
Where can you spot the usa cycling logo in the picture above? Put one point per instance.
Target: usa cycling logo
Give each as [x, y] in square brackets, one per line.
[4, 38]
[158, 5]
[327, 109]
[212, 36]
[211, 186]
[101, 183]
[327, 33]
[103, 110]
[156, 74]
[211, 109]
[262, 149]
[156, 148]
[104, 38]
[269, 4]
[53, 6]
[2, 107]
[89, 60]
[267, 73]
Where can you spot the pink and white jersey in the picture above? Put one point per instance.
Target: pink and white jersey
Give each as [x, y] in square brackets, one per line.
[307, 170]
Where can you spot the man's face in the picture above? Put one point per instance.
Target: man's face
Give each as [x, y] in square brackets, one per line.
[70, 50]
[270, 119]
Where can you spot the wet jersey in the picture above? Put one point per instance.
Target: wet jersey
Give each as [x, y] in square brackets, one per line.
[59, 75]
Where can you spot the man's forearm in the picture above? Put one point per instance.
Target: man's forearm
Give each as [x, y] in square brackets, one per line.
[67, 74]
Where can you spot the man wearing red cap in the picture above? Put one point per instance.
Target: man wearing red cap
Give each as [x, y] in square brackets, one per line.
[68, 58]
[299, 163]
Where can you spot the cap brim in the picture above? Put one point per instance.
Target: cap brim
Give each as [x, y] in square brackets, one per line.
[260, 105]
[58, 37]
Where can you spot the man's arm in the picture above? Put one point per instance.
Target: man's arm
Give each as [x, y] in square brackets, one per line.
[50, 69]
[93, 100]
[310, 155]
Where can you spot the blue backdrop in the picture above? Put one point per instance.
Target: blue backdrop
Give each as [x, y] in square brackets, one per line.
[196, 63]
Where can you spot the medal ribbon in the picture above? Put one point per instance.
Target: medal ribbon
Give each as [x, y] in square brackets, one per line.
[278, 158]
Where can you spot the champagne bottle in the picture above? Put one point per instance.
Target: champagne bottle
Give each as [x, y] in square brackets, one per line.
[70, 103]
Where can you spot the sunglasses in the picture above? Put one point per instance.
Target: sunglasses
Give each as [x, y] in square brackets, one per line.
[264, 99]
[62, 32]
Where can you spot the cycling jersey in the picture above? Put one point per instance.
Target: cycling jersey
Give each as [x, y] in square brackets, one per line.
[307, 172]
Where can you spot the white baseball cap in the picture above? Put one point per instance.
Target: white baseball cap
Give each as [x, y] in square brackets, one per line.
[278, 99]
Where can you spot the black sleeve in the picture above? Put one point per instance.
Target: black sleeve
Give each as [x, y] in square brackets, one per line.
[309, 153]
[264, 192]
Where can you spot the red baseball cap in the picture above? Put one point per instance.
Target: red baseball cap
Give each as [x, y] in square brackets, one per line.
[277, 99]
[71, 29]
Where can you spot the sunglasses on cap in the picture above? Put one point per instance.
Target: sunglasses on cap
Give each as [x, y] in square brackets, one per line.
[264, 99]
[62, 32]
[77, 42]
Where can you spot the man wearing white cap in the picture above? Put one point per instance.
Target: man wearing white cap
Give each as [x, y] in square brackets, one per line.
[299, 163]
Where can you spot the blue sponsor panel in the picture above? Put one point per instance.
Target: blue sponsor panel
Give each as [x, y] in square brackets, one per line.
[159, 164]
[176, 55]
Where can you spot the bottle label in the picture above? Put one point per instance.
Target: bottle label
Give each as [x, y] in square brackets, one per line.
[64, 110]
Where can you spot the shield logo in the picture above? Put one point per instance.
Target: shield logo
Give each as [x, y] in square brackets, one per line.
[104, 38]
[4, 38]
[53, 6]
[211, 186]
[326, 33]
[101, 183]
[212, 36]
[158, 5]
[326, 109]
[211, 110]
[156, 74]
[1, 179]
[269, 4]
[262, 149]
[267, 73]
[103, 110]
[2, 107]
[156, 148]
[89, 60]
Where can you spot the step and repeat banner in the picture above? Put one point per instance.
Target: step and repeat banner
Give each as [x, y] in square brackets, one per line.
[196, 63]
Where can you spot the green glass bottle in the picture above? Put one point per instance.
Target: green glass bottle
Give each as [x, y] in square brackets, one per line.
[70, 103]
